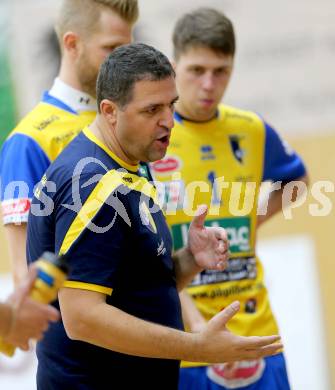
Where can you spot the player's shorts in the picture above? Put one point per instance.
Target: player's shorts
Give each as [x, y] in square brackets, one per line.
[264, 374]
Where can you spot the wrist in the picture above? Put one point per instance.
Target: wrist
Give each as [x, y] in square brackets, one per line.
[197, 268]
[197, 347]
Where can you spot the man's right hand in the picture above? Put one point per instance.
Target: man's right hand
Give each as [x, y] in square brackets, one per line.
[29, 318]
[217, 344]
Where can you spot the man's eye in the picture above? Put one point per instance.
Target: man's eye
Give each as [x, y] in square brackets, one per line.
[197, 71]
[152, 110]
[110, 48]
[221, 72]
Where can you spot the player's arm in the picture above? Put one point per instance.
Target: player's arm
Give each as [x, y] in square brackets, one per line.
[16, 236]
[281, 164]
[277, 202]
[22, 165]
[21, 318]
[207, 248]
[192, 317]
[88, 318]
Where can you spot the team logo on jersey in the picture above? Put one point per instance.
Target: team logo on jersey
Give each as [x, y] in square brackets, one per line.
[167, 165]
[236, 148]
[146, 218]
[207, 152]
[161, 250]
[251, 306]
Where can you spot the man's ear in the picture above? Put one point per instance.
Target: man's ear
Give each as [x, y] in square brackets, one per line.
[70, 42]
[108, 110]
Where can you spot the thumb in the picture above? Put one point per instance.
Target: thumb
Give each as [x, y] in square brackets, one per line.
[200, 216]
[220, 320]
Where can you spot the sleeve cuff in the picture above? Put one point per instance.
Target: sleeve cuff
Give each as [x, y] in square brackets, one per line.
[88, 286]
[15, 210]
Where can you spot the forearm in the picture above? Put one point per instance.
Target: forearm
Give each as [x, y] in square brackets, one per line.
[192, 317]
[16, 236]
[111, 328]
[185, 267]
[87, 317]
[273, 207]
[278, 201]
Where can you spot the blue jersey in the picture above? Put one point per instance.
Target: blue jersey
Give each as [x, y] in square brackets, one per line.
[31, 147]
[104, 215]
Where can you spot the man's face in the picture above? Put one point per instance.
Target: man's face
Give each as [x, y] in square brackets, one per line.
[112, 31]
[143, 126]
[202, 78]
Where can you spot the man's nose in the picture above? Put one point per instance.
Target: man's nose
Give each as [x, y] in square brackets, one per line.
[208, 82]
[167, 119]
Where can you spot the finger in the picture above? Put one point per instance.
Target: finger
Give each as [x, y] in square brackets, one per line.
[268, 350]
[272, 349]
[220, 320]
[220, 233]
[24, 346]
[221, 265]
[258, 341]
[200, 216]
[222, 247]
[45, 312]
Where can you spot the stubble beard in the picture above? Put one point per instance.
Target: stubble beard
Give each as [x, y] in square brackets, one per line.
[87, 77]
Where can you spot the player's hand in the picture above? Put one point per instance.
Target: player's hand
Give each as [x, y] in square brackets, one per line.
[209, 245]
[29, 318]
[220, 345]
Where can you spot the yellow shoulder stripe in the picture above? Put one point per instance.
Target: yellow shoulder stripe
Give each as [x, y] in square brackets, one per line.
[107, 184]
[88, 286]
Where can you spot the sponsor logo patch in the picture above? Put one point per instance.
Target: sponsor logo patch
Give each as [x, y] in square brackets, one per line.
[15, 207]
[238, 230]
[207, 152]
[237, 374]
[166, 166]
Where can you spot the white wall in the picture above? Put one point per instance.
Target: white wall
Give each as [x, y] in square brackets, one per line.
[290, 264]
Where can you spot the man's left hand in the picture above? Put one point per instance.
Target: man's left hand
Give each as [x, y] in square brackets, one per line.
[208, 245]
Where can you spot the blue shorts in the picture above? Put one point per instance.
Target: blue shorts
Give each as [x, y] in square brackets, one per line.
[269, 376]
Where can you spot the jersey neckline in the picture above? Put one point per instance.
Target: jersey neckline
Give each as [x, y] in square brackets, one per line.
[92, 137]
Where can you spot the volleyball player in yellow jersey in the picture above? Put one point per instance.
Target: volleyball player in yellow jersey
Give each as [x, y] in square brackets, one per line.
[88, 30]
[214, 149]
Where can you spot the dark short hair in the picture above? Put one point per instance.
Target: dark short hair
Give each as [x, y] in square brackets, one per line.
[204, 27]
[125, 66]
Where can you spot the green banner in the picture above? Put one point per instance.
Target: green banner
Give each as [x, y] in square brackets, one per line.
[7, 95]
[238, 230]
